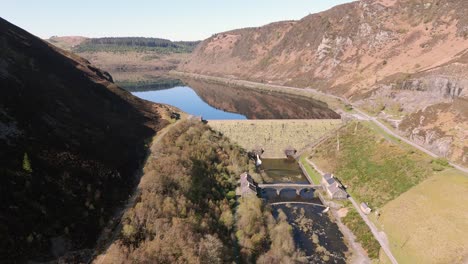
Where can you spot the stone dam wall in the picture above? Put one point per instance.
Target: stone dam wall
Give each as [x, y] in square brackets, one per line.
[274, 136]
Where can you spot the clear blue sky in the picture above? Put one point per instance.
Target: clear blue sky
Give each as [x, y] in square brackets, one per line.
[171, 19]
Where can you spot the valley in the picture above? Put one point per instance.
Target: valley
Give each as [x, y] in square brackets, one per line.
[339, 137]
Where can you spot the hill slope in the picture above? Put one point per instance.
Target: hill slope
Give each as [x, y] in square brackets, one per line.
[395, 58]
[71, 142]
[130, 60]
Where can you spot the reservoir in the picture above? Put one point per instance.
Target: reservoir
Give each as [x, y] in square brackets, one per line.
[187, 100]
[221, 102]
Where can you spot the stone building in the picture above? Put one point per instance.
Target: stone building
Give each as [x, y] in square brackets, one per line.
[333, 188]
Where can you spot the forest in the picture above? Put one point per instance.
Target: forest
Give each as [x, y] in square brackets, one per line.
[140, 44]
[187, 211]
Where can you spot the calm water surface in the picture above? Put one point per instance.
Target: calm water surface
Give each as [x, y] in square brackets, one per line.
[185, 98]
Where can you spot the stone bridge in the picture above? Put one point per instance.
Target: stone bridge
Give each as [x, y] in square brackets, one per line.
[289, 186]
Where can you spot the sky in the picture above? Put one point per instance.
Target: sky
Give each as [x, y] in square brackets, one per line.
[170, 19]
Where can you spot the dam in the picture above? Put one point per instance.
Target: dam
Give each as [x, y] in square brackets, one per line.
[274, 136]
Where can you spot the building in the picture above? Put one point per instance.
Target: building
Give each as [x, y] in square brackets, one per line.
[247, 185]
[333, 188]
[365, 208]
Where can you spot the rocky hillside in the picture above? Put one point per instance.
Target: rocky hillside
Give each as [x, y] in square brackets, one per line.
[395, 58]
[71, 143]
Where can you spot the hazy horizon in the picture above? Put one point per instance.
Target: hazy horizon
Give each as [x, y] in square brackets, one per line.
[176, 20]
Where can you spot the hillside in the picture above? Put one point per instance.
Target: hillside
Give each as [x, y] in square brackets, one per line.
[71, 143]
[403, 60]
[132, 61]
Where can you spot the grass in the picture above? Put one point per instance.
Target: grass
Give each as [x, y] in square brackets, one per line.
[434, 215]
[362, 232]
[275, 135]
[314, 175]
[375, 168]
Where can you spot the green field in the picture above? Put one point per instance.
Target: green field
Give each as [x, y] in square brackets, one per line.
[275, 135]
[429, 223]
[376, 169]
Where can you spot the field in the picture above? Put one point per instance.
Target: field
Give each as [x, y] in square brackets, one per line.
[429, 223]
[274, 135]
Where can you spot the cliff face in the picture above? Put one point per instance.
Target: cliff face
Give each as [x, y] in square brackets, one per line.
[387, 54]
[71, 142]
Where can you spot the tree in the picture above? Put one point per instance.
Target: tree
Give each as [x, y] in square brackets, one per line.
[26, 163]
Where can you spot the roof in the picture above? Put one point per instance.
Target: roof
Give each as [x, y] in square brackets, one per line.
[329, 178]
[364, 205]
[334, 188]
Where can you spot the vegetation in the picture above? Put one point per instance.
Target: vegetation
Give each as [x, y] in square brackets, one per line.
[362, 232]
[314, 175]
[187, 194]
[434, 216]
[138, 44]
[149, 85]
[375, 169]
[26, 163]
[262, 238]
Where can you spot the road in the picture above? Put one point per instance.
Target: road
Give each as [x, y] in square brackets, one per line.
[389, 131]
[381, 239]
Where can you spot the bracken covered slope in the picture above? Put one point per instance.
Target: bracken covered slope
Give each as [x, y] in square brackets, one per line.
[392, 57]
[71, 143]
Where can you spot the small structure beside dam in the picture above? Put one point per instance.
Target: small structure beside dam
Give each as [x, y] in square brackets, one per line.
[274, 136]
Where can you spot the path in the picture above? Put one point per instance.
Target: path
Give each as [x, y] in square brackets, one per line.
[380, 238]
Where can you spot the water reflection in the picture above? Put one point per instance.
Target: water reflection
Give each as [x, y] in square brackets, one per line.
[282, 170]
[187, 100]
[261, 104]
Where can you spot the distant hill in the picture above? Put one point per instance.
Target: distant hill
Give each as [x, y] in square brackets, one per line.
[403, 60]
[79, 44]
[132, 61]
[71, 142]
[135, 44]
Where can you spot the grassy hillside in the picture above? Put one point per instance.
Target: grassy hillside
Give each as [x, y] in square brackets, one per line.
[376, 169]
[421, 201]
